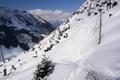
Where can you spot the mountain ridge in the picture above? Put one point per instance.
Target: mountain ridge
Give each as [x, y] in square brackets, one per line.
[21, 29]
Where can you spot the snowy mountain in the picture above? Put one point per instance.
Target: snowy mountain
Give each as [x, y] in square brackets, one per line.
[21, 29]
[55, 17]
[84, 47]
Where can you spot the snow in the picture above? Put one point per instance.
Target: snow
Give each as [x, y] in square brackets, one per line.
[79, 56]
[25, 27]
[12, 52]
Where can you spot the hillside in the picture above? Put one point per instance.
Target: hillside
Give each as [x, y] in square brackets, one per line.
[19, 30]
[84, 47]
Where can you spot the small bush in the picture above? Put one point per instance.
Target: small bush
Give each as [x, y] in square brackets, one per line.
[114, 4]
[97, 5]
[5, 72]
[89, 14]
[44, 69]
[92, 75]
[110, 15]
[95, 13]
[49, 48]
[66, 35]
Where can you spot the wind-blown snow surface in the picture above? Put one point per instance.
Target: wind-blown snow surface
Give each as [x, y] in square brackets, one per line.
[75, 50]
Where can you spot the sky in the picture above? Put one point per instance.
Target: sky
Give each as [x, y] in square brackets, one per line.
[65, 5]
[54, 11]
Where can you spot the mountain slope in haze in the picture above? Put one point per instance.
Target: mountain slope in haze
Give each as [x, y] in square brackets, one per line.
[21, 29]
[84, 47]
[55, 17]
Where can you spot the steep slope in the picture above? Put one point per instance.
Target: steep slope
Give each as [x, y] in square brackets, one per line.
[84, 47]
[82, 54]
[21, 29]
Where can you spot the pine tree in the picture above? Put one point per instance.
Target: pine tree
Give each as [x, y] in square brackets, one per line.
[44, 69]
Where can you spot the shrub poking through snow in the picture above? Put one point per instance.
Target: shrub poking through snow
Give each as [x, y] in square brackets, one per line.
[5, 72]
[110, 15]
[49, 48]
[44, 69]
[114, 3]
[92, 75]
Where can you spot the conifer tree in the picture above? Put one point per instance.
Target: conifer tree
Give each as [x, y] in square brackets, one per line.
[44, 69]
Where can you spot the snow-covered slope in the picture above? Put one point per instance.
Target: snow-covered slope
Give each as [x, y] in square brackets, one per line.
[20, 29]
[22, 19]
[84, 47]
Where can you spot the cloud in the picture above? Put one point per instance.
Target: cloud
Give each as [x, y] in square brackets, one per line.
[50, 15]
